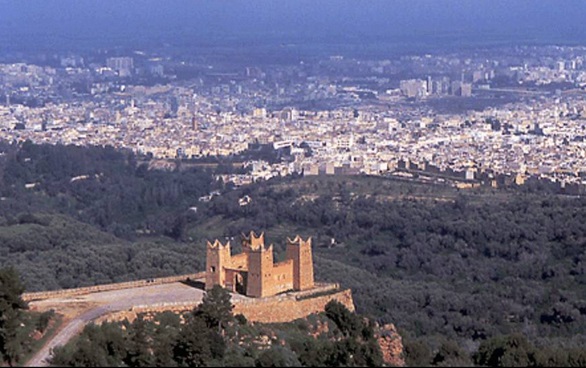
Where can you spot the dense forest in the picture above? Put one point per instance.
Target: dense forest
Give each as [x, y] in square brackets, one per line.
[72, 216]
[447, 266]
[440, 263]
[101, 186]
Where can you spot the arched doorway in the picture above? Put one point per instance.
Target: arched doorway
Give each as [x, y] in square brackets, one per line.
[239, 284]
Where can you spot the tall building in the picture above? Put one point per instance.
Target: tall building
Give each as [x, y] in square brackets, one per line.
[456, 88]
[429, 85]
[459, 88]
[466, 90]
[477, 75]
[289, 114]
[413, 88]
[123, 65]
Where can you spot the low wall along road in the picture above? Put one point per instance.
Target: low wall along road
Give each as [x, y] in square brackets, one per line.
[41, 295]
[126, 300]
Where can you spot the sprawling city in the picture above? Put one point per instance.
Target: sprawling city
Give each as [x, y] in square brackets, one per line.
[514, 112]
[293, 183]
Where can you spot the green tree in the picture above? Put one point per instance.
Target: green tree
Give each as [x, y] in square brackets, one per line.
[97, 346]
[216, 308]
[577, 357]
[348, 322]
[82, 354]
[236, 358]
[368, 354]
[450, 354]
[277, 356]
[167, 326]
[138, 351]
[417, 353]
[44, 319]
[315, 352]
[192, 348]
[506, 351]
[11, 306]
[552, 357]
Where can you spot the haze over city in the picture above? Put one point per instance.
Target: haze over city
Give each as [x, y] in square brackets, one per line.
[292, 183]
[415, 25]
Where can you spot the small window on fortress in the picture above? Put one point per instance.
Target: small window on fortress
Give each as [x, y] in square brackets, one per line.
[213, 269]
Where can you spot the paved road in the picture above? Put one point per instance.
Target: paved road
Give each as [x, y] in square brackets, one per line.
[106, 302]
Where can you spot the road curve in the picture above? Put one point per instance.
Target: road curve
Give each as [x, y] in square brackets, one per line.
[72, 328]
[107, 302]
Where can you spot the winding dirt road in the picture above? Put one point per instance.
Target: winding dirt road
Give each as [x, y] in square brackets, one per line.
[80, 310]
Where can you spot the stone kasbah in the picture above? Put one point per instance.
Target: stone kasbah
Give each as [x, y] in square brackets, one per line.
[254, 273]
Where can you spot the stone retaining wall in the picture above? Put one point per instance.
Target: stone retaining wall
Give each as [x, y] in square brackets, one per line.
[287, 309]
[274, 309]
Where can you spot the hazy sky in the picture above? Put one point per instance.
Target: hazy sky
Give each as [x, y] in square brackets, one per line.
[51, 23]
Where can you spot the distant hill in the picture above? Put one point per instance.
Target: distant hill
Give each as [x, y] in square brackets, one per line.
[73, 216]
[441, 263]
[445, 265]
[56, 251]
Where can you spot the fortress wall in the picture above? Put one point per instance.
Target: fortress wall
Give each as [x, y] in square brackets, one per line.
[319, 288]
[27, 297]
[239, 261]
[281, 278]
[274, 309]
[287, 309]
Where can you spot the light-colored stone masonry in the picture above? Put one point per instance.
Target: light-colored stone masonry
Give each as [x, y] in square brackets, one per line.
[289, 308]
[280, 308]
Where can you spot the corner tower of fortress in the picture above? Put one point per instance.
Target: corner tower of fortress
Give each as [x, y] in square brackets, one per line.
[300, 252]
[217, 257]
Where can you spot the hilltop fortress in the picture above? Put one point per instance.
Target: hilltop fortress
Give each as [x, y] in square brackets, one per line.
[274, 292]
[270, 292]
[254, 273]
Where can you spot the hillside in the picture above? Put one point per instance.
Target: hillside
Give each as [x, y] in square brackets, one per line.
[73, 216]
[56, 251]
[210, 335]
[445, 265]
[439, 262]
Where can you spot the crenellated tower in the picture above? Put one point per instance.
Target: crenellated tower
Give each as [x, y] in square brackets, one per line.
[252, 240]
[299, 251]
[260, 265]
[217, 257]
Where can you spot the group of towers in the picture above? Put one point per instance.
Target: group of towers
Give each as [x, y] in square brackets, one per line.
[254, 273]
